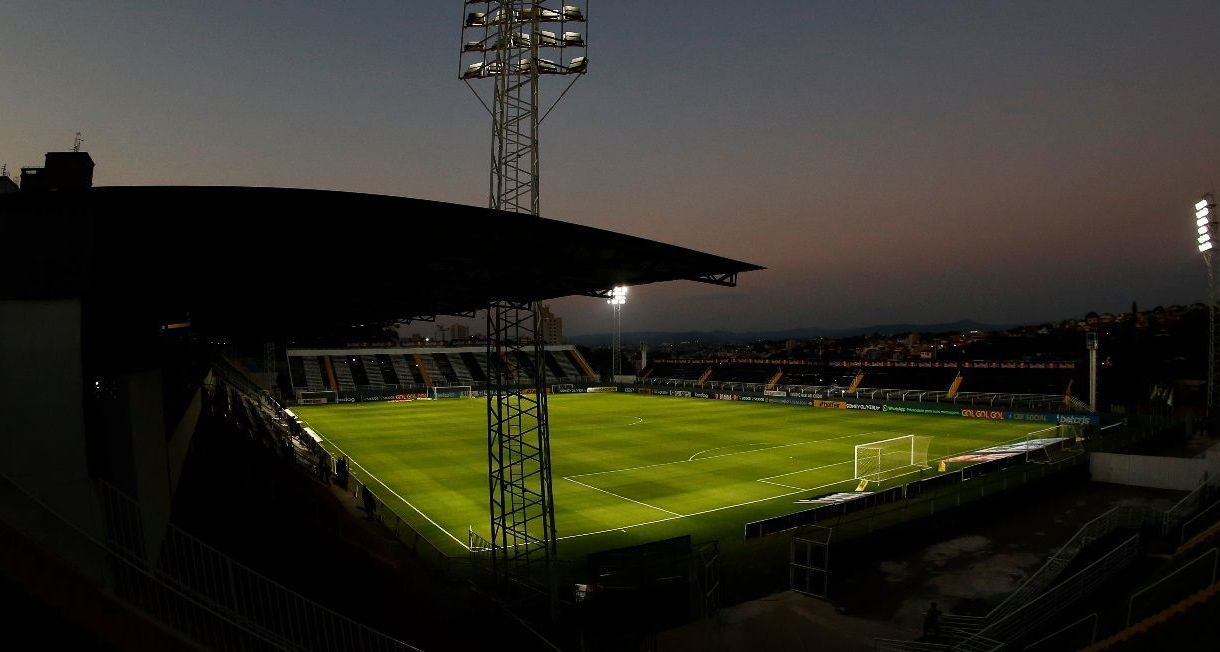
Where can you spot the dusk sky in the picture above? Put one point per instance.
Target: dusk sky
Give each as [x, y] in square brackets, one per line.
[918, 162]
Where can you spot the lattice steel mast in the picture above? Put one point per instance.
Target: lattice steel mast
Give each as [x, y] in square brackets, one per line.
[618, 298]
[1205, 222]
[504, 42]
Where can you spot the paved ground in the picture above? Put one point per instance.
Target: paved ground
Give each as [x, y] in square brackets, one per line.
[965, 568]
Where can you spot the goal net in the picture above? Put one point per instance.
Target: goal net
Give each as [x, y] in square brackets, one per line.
[453, 391]
[880, 459]
[311, 397]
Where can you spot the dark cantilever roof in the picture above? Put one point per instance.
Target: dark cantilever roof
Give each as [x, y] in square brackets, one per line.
[275, 259]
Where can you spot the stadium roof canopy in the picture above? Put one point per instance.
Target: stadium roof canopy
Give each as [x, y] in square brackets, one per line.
[284, 260]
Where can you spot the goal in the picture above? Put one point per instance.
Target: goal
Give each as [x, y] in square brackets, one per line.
[452, 391]
[316, 397]
[875, 460]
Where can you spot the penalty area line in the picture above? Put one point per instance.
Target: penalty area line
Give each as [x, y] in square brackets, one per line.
[713, 457]
[815, 468]
[720, 448]
[611, 493]
[749, 502]
[779, 484]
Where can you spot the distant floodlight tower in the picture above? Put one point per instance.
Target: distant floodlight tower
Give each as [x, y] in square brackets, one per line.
[514, 45]
[618, 298]
[1205, 225]
[1091, 343]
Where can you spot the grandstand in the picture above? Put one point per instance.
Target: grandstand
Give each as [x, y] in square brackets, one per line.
[717, 448]
[1012, 384]
[127, 297]
[406, 368]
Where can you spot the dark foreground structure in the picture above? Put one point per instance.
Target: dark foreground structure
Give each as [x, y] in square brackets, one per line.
[115, 304]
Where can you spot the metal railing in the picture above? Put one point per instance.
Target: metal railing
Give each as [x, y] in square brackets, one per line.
[1192, 577]
[1199, 523]
[1043, 609]
[1120, 517]
[1123, 516]
[1191, 504]
[261, 606]
[128, 580]
[1054, 640]
[892, 645]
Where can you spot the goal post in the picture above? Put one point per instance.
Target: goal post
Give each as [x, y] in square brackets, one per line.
[876, 459]
[316, 397]
[452, 391]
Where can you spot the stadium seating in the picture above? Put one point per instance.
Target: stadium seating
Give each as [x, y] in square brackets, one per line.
[564, 362]
[474, 366]
[343, 373]
[446, 369]
[432, 372]
[999, 380]
[372, 369]
[403, 368]
[313, 373]
[383, 368]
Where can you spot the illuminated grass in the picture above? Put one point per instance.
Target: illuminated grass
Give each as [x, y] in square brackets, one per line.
[627, 469]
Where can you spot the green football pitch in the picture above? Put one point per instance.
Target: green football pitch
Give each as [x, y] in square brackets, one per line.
[627, 469]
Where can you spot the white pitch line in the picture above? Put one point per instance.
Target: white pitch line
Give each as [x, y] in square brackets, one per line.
[780, 484]
[638, 421]
[704, 459]
[404, 500]
[720, 448]
[706, 511]
[749, 502]
[611, 493]
[815, 468]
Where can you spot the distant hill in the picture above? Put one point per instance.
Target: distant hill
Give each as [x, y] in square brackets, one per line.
[735, 337]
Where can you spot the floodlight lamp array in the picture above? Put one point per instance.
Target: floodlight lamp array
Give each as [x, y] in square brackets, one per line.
[506, 35]
[618, 296]
[1205, 222]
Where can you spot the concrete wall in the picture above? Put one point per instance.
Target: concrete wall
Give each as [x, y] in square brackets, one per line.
[1148, 471]
[42, 434]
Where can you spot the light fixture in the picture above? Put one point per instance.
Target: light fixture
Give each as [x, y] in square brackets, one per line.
[618, 295]
[1205, 223]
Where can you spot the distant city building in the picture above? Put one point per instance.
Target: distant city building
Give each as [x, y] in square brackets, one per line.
[550, 326]
[62, 171]
[7, 185]
[459, 333]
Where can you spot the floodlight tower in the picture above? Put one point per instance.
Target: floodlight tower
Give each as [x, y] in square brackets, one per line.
[1091, 343]
[504, 42]
[618, 298]
[1205, 224]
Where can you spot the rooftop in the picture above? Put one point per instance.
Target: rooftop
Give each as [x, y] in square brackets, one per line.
[275, 260]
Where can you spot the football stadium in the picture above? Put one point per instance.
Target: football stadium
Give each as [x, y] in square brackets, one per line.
[234, 465]
[259, 418]
[632, 468]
